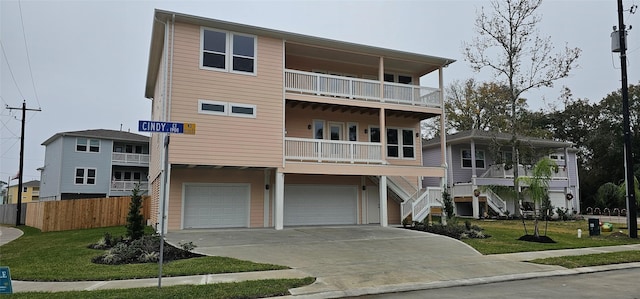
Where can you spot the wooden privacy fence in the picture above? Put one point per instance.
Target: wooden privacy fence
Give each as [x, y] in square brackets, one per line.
[82, 213]
[9, 212]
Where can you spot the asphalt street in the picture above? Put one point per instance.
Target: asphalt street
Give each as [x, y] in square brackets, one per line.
[616, 284]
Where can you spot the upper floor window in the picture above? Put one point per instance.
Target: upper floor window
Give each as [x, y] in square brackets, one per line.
[227, 51]
[400, 142]
[466, 158]
[85, 176]
[87, 145]
[556, 157]
[228, 109]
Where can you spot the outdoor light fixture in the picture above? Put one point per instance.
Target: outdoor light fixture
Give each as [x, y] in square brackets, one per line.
[365, 131]
[309, 126]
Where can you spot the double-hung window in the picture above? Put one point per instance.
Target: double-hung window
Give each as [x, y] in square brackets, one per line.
[85, 176]
[466, 158]
[87, 145]
[400, 143]
[227, 51]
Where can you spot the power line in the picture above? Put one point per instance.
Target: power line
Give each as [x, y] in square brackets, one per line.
[24, 37]
[10, 71]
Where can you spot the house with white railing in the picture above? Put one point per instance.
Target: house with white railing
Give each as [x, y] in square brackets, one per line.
[94, 164]
[481, 169]
[290, 129]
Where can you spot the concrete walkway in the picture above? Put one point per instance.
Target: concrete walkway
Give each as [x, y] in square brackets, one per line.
[347, 261]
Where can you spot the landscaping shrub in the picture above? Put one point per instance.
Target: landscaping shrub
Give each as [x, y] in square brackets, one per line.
[453, 230]
[135, 220]
[146, 249]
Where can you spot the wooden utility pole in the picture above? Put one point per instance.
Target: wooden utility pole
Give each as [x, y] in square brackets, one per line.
[21, 169]
[632, 221]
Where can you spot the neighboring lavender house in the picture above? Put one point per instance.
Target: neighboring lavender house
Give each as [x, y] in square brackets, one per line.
[478, 160]
[291, 129]
[93, 164]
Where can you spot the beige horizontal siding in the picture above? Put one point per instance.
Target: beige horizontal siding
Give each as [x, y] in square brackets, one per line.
[227, 140]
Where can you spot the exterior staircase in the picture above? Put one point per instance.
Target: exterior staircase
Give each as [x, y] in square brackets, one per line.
[414, 201]
[495, 202]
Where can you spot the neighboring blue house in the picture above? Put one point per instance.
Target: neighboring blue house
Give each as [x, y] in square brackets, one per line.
[93, 163]
[477, 160]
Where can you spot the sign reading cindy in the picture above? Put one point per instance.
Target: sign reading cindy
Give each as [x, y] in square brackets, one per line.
[166, 127]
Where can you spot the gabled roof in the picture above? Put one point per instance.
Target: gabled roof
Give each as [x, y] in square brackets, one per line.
[101, 134]
[34, 183]
[488, 136]
[162, 17]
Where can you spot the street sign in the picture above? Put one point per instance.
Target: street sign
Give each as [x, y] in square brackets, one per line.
[5, 281]
[166, 127]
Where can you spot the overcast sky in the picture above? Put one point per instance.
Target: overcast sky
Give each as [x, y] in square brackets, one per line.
[89, 58]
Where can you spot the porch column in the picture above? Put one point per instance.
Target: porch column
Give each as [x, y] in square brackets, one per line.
[475, 204]
[384, 221]
[383, 135]
[278, 217]
[443, 136]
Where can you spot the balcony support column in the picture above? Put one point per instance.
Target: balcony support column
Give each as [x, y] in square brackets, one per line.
[278, 211]
[383, 135]
[475, 204]
[384, 221]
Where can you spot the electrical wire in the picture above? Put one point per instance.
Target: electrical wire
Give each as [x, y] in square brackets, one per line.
[4, 53]
[24, 37]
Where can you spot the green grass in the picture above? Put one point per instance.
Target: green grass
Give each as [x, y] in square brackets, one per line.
[246, 289]
[64, 256]
[589, 260]
[504, 235]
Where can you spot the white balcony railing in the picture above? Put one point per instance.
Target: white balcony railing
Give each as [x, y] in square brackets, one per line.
[130, 159]
[321, 150]
[500, 171]
[361, 89]
[127, 186]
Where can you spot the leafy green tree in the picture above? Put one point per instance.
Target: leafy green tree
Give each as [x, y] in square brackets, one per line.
[135, 220]
[538, 186]
[483, 106]
[609, 196]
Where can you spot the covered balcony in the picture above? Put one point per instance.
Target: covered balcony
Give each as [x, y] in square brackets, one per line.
[128, 186]
[321, 150]
[129, 159]
[351, 88]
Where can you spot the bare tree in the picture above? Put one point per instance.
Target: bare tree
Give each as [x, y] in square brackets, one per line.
[509, 44]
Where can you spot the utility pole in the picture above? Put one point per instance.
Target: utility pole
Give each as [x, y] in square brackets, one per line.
[632, 221]
[20, 170]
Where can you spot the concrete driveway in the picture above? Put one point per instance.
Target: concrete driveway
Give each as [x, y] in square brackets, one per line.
[350, 258]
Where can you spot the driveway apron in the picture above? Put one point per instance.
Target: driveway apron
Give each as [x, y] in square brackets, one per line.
[355, 257]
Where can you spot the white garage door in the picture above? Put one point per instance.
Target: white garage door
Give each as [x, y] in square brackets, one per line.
[557, 199]
[216, 205]
[320, 204]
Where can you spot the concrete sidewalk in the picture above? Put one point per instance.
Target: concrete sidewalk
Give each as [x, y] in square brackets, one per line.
[362, 276]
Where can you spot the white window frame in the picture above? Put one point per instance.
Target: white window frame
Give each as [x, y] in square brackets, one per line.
[400, 144]
[88, 145]
[324, 129]
[85, 176]
[253, 107]
[228, 109]
[557, 157]
[202, 111]
[229, 55]
[348, 133]
[484, 158]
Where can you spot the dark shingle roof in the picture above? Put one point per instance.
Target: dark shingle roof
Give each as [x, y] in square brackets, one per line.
[101, 134]
[488, 136]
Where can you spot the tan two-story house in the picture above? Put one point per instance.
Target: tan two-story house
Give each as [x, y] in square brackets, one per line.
[290, 129]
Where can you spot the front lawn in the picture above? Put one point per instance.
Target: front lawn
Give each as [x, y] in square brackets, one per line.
[504, 235]
[590, 260]
[64, 256]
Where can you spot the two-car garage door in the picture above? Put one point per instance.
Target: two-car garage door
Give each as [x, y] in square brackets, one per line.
[216, 205]
[320, 204]
[227, 205]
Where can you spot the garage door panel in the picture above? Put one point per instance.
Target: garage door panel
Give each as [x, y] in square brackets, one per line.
[216, 206]
[320, 204]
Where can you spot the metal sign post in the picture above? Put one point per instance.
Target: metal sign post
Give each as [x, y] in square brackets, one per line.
[167, 128]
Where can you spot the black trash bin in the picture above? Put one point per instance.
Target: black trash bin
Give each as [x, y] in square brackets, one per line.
[594, 226]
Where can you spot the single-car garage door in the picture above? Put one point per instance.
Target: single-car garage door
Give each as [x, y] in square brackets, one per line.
[216, 205]
[320, 204]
